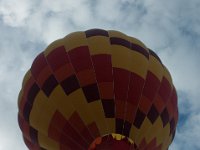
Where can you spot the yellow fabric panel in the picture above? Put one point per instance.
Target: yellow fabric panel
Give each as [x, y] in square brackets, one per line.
[139, 64]
[47, 143]
[74, 40]
[111, 124]
[153, 129]
[130, 60]
[96, 109]
[52, 46]
[167, 142]
[80, 104]
[155, 67]
[26, 78]
[118, 34]
[37, 111]
[47, 116]
[143, 129]
[60, 100]
[163, 134]
[99, 45]
[121, 57]
[118, 136]
[41, 113]
[134, 132]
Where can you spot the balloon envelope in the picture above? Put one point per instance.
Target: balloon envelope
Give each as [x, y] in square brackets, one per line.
[97, 89]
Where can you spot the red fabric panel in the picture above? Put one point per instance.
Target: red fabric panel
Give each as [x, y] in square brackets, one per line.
[165, 90]
[94, 129]
[121, 83]
[61, 130]
[57, 58]
[151, 86]
[68, 133]
[64, 72]
[174, 99]
[159, 104]
[56, 125]
[31, 145]
[103, 67]
[135, 89]
[79, 125]
[80, 58]
[38, 65]
[144, 104]
[106, 90]
[24, 126]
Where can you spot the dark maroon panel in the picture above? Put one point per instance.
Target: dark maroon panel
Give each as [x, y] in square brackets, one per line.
[121, 83]
[151, 86]
[103, 67]
[30, 100]
[80, 58]
[139, 118]
[33, 135]
[128, 44]
[70, 84]
[49, 85]
[165, 117]
[153, 114]
[173, 135]
[139, 49]
[57, 58]
[119, 123]
[26, 89]
[38, 65]
[27, 111]
[91, 92]
[165, 90]
[120, 41]
[96, 32]
[172, 126]
[127, 128]
[155, 55]
[135, 88]
[109, 108]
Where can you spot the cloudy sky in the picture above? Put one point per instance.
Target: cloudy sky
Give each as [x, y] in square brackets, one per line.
[169, 27]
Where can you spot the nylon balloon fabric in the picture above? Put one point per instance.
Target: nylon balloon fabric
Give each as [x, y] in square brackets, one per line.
[97, 89]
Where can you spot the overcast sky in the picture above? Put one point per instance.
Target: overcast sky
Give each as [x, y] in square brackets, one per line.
[170, 27]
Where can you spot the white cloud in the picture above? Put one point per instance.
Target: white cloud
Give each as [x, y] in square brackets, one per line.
[188, 136]
[16, 55]
[10, 134]
[15, 13]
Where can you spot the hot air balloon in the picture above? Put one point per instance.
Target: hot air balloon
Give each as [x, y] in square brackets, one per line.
[97, 89]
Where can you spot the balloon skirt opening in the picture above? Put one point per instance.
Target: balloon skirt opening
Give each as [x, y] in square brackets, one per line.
[112, 142]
